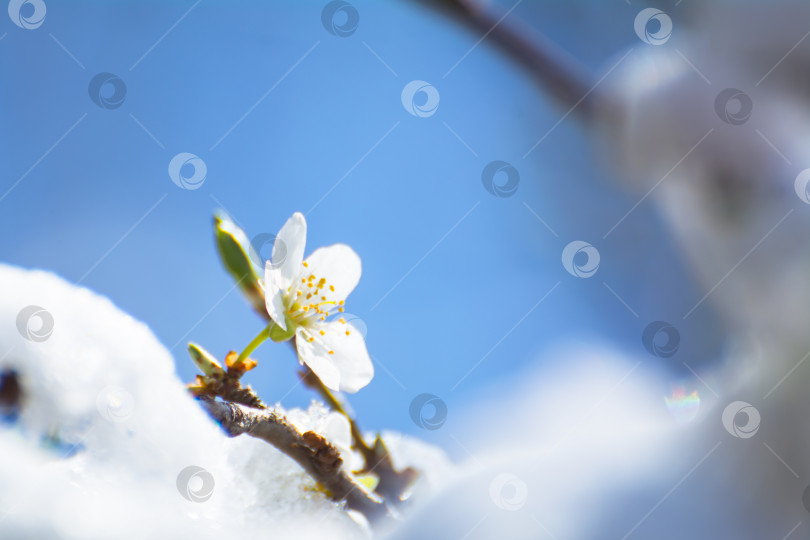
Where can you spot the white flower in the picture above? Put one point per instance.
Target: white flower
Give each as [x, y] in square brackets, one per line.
[302, 295]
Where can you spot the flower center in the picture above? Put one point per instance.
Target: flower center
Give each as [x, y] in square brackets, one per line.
[311, 299]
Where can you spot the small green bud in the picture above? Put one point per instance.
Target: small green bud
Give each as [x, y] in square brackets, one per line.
[205, 361]
[234, 247]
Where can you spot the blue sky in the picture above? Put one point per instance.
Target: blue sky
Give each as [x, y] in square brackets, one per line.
[288, 117]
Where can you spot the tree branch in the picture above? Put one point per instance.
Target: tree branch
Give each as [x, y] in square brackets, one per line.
[393, 483]
[319, 458]
[556, 70]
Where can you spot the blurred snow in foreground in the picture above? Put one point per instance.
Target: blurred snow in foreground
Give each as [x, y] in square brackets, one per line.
[587, 451]
[107, 433]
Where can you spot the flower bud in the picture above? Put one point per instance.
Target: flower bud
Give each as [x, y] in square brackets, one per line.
[234, 246]
[205, 361]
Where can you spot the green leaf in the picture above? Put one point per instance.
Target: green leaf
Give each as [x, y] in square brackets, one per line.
[234, 246]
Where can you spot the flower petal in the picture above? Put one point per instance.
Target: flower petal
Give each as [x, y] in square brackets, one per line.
[316, 357]
[339, 265]
[288, 249]
[349, 355]
[274, 287]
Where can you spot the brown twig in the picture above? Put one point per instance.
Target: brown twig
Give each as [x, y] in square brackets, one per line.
[11, 393]
[317, 456]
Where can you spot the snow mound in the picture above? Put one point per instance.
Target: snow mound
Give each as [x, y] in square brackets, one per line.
[107, 443]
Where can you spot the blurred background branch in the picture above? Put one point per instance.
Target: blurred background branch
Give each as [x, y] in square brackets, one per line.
[558, 73]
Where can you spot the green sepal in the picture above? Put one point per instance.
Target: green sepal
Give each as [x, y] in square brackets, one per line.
[278, 334]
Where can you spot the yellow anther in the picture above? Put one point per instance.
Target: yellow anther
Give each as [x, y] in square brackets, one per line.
[347, 332]
[331, 352]
[332, 288]
[340, 303]
[305, 264]
[340, 309]
[322, 332]
[342, 320]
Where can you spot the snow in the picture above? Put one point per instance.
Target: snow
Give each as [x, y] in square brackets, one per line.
[105, 388]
